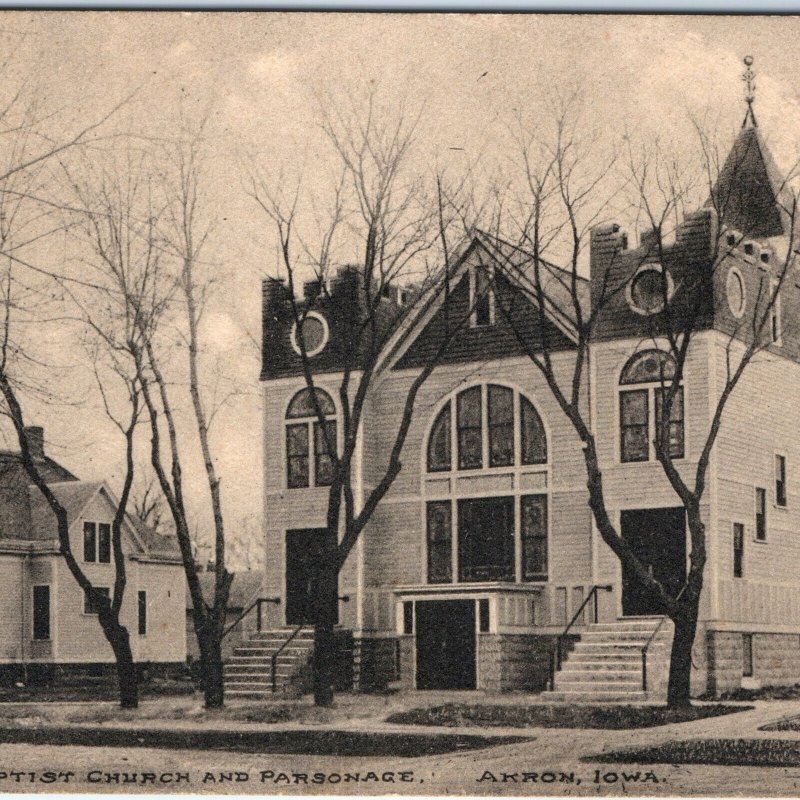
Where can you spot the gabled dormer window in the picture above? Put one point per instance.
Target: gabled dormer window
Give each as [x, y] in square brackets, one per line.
[481, 297]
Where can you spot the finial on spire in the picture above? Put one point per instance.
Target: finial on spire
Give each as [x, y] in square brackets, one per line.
[749, 77]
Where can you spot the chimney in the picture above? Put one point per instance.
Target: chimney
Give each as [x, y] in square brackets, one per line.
[35, 436]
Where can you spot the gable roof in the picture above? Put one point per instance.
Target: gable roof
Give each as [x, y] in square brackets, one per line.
[516, 266]
[750, 193]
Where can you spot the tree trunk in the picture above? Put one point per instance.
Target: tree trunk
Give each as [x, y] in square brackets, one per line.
[127, 675]
[212, 670]
[326, 602]
[680, 663]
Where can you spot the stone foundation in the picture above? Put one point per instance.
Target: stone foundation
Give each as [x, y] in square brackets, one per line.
[375, 663]
[509, 662]
[776, 660]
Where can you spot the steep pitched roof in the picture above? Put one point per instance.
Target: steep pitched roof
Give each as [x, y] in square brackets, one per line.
[750, 194]
[73, 495]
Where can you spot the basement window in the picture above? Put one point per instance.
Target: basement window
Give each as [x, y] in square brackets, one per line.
[747, 655]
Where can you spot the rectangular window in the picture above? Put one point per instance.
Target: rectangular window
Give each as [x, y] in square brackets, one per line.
[104, 543]
[469, 422]
[408, 618]
[775, 314]
[747, 655]
[323, 463]
[761, 514]
[440, 564]
[534, 537]
[142, 613]
[633, 425]
[90, 606]
[89, 542]
[501, 426]
[41, 612]
[675, 420]
[297, 455]
[481, 299]
[738, 549]
[486, 539]
[780, 480]
[483, 615]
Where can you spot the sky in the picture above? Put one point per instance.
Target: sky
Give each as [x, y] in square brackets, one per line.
[263, 76]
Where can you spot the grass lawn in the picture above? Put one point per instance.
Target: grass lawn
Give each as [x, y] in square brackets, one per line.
[787, 724]
[614, 717]
[99, 691]
[723, 752]
[303, 742]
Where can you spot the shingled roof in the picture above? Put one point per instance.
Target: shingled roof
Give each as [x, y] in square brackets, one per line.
[750, 193]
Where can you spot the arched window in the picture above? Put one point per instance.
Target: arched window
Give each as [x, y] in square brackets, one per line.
[652, 372]
[307, 442]
[492, 423]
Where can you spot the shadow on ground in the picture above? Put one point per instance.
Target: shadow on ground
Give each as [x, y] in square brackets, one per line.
[300, 742]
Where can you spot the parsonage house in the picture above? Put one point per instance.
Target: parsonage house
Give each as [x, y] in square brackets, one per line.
[48, 629]
[485, 548]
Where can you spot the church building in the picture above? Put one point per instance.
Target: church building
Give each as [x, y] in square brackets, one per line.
[484, 550]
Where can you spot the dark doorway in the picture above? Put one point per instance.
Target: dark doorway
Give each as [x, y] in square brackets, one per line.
[303, 549]
[445, 644]
[658, 537]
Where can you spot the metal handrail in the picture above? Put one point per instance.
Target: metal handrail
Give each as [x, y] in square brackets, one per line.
[556, 660]
[646, 648]
[257, 603]
[274, 657]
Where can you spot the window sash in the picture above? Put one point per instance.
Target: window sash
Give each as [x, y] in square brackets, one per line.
[738, 549]
[89, 542]
[761, 514]
[297, 464]
[501, 426]
[41, 612]
[142, 613]
[439, 442]
[323, 462]
[104, 543]
[439, 540]
[469, 407]
[89, 604]
[482, 306]
[534, 441]
[634, 430]
[780, 480]
[533, 529]
[676, 414]
[486, 539]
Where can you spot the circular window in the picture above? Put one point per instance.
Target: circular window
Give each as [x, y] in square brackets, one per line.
[314, 333]
[648, 289]
[736, 292]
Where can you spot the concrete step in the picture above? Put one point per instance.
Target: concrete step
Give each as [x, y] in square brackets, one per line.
[594, 697]
[610, 665]
[600, 680]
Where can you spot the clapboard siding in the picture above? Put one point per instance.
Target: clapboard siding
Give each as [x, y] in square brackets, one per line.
[11, 618]
[760, 420]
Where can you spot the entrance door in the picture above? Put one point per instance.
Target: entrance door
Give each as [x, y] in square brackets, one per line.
[658, 537]
[303, 549]
[445, 644]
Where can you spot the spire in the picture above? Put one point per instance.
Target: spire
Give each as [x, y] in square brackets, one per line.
[749, 78]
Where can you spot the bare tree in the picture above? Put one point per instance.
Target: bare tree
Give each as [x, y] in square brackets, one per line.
[393, 229]
[569, 193]
[32, 142]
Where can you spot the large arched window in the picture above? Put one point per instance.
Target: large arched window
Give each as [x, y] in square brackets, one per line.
[640, 408]
[307, 442]
[474, 535]
[495, 427]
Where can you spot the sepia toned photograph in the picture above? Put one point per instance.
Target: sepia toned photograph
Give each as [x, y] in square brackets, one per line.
[399, 404]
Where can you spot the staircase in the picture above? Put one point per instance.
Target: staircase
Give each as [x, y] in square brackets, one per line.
[248, 672]
[606, 663]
